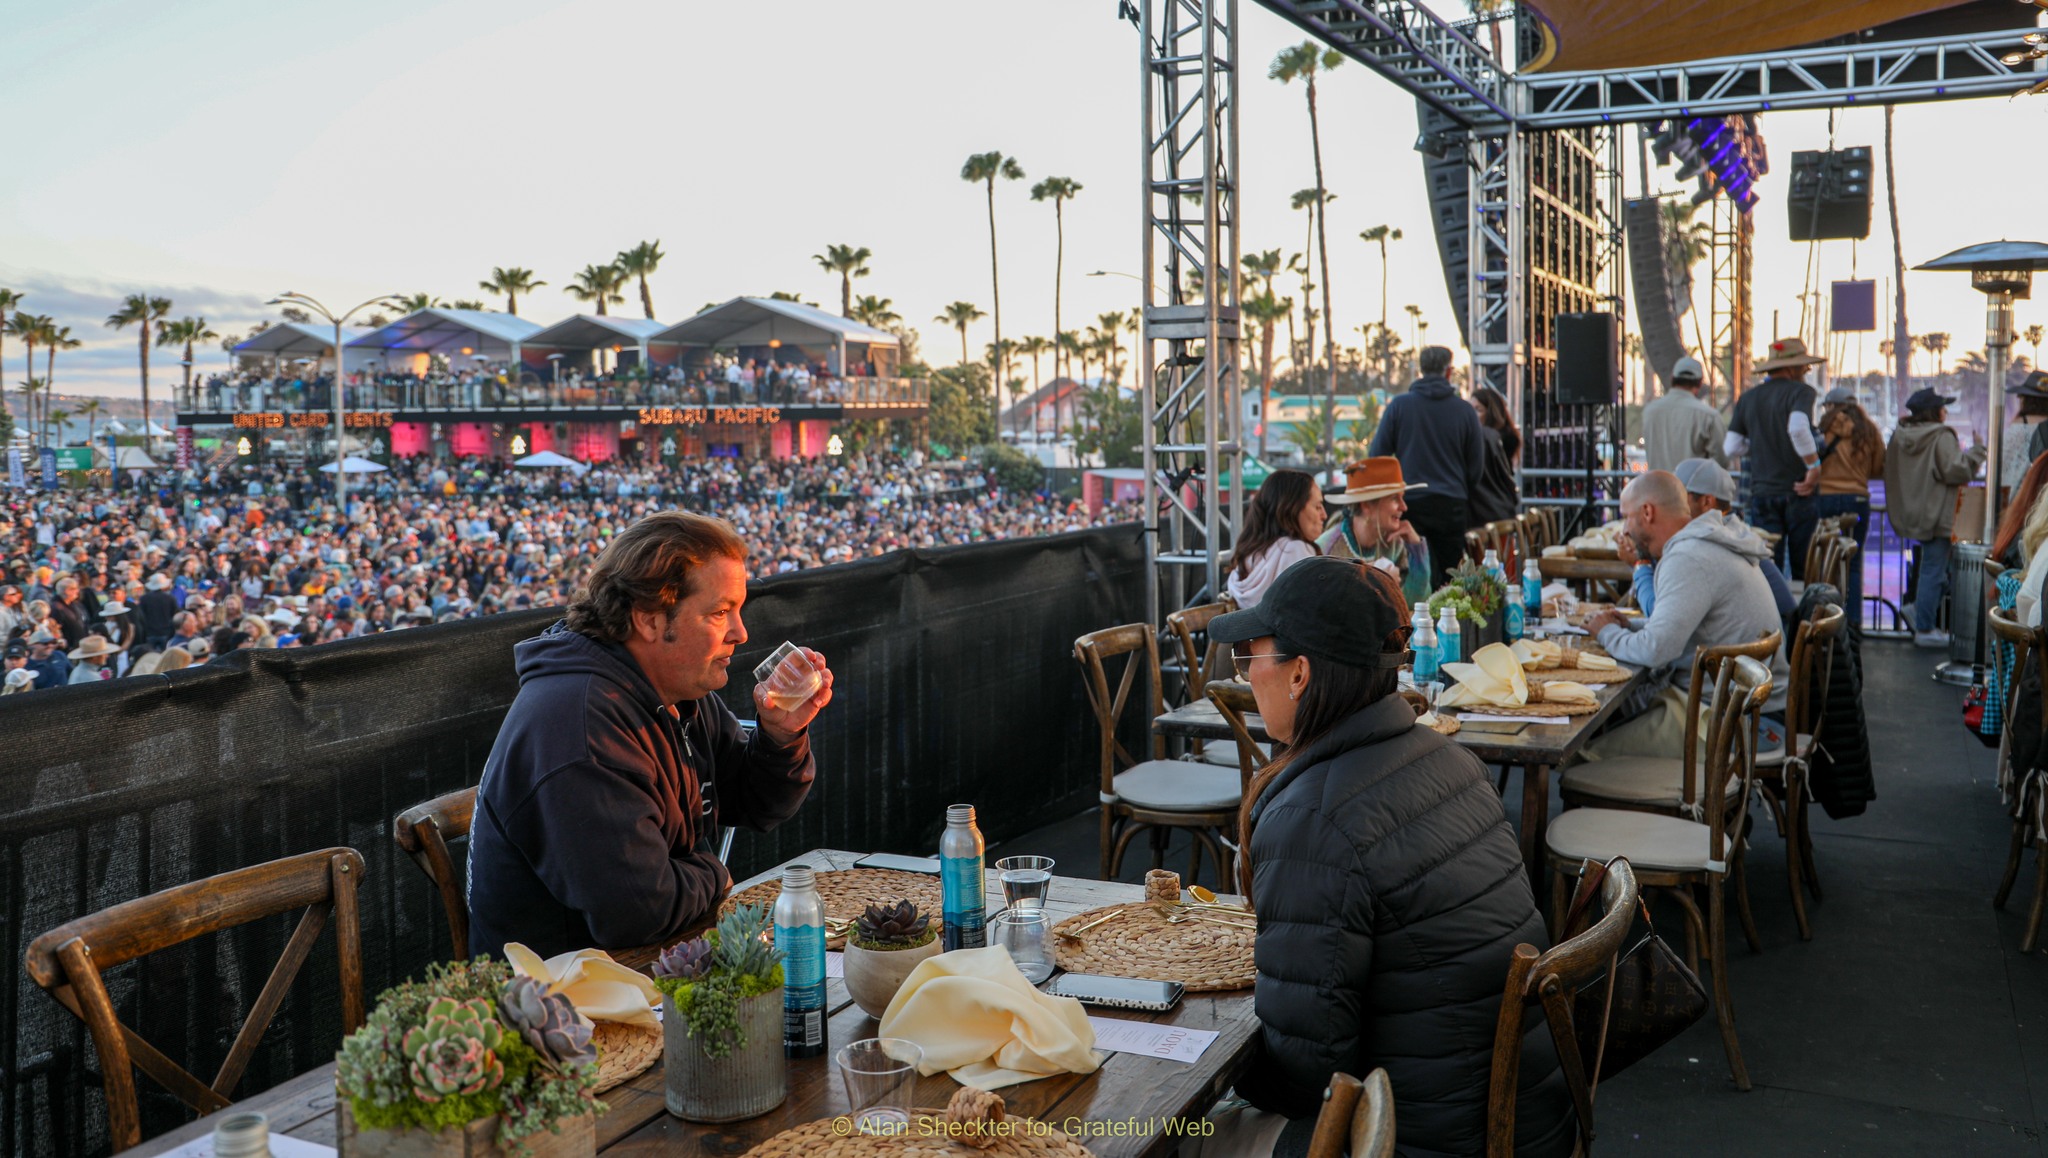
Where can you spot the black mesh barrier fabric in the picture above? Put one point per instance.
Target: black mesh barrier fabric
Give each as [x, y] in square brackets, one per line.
[954, 681]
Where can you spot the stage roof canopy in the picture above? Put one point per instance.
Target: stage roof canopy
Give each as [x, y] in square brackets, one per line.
[592, 331]
[1608, 34]
[445, 331]
[758, 321]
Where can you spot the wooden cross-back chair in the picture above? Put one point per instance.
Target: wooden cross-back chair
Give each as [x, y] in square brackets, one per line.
[2025, 793]
[1678, 854]
[1234, 702]
[1551, 980]
[1782, 772]
[1505, 538]
[1357, 1118]
[1152, 794]
[69, 962]
[1201, 660]
[423, 832]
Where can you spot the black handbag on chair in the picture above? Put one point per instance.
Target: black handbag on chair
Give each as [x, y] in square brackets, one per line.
[1648, 998]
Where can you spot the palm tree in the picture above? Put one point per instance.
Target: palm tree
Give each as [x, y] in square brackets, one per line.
[185, 332]
[1937, 345]
[10, 301]
[1113, 323]
[1035, 348]
[1058, 190]
[511, 282]
[91, 409]
[28, 328]
[55, 421]
[411, 303]
[1069, 343]
[142, 312]
[30, 387]
[848, 263]
[870, 310]
[1000, 356]
[1902, 344]
[1302, 62]
[1303, 352]
[54, 338]
[598, 283]
[985, 168]
[1382, 234]
[1265, 311]
[638, 262]
[2033, 334]
[960, 315]
[1264, 265]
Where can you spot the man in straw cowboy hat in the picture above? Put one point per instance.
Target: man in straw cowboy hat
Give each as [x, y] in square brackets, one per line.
[1376, 528]
[1772, 428]
[91, 657]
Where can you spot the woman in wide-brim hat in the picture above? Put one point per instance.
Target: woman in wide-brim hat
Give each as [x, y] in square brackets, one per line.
[1788, 354]
[1376, 529]
[2027, 432]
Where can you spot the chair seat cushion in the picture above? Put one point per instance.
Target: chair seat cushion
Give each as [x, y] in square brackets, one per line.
[1648, 840]
[1650, 781]
[1772, 757]
[1224, 752]
[1179, 786]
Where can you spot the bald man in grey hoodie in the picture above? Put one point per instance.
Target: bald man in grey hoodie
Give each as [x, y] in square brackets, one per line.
[1711, 592]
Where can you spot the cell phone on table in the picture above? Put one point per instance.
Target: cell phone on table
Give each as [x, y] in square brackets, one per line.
[899, 862]
[1117, 992]
[1500, 727]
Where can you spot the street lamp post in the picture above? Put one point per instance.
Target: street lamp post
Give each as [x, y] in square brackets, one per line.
[294, 298]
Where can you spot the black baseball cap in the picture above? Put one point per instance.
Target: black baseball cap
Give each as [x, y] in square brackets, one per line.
[16, 649]
[1336, 610]
[1925, 401]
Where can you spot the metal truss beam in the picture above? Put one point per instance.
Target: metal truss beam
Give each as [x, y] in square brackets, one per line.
[1413, 47]
[1496, 309]
[1188, 379]
[1877, 73]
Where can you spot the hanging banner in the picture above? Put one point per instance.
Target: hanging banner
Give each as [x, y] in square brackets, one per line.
[49, 465]
[17, 470]
[1854, 307]
[184, 448]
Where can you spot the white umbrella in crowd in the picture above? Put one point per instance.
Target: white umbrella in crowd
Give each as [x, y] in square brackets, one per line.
[354, 464]
[550, 458]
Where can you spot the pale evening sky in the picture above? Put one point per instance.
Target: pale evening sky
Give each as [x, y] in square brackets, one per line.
[219, 151]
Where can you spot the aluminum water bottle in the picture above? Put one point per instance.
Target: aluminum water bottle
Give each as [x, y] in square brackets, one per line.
[960, 881]
[1422, 641]
[1512, 616]
[1449, 638]
[800, 935]
[1532, 590]
[1491, 564]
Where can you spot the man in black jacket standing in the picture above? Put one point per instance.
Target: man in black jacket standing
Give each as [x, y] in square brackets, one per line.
[1436, 436]
[597, 820]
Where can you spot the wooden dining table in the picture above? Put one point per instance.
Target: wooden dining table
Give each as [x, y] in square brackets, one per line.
[1122, 1110]
[1536, 749]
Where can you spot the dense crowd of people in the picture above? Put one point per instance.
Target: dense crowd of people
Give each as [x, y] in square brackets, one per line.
[97, 584]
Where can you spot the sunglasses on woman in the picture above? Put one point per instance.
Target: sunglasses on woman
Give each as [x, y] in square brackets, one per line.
[1242, 661]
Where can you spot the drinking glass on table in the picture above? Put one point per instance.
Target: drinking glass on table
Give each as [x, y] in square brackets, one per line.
[790, 676]
[1026, 934]
[1027, 881]
[880, 1074]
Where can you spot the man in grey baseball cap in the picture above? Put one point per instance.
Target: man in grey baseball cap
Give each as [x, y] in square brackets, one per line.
[1678, 425]
[1708, 487]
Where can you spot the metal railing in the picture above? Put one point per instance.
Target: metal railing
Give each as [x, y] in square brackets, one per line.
[480, 394]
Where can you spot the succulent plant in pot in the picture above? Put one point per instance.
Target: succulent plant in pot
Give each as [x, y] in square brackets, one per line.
[722, 1020]
[885, 944]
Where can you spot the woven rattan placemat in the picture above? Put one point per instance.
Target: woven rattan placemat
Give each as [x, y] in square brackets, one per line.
[848, 892]
[1528, 709]
[624, 1052]
[1202, 955]
[1024, 1138]
[1580, 675]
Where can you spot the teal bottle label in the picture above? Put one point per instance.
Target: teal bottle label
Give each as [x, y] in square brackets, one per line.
[1514, 622]
[960, 880]
[1447, 646]
[1425, 664]
[803, 989]
[1532, 596]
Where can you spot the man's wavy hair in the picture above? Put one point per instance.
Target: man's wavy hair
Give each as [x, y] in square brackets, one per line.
[649, 567]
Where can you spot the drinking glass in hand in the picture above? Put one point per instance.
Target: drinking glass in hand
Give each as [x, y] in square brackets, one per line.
[1026, 933]
[790, 676]
[1027, 881]
[880, 1074]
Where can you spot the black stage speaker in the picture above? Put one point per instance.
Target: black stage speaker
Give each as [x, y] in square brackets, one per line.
[1662, 293]
[1829, 198]
[1444, 173]
[1586, 373]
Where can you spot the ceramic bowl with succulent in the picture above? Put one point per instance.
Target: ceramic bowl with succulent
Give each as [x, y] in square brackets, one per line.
[884, 945]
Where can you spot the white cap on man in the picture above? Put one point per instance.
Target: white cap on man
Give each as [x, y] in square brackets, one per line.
[1687, 372]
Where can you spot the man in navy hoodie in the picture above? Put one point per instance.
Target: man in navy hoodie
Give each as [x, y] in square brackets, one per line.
[1435, 434]
[597, 820]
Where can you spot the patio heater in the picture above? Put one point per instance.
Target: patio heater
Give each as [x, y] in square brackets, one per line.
[2001, 271]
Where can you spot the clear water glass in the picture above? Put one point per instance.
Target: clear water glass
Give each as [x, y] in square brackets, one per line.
[1027, 881]
[880, 1074]
[1027, 934]
[790, 676]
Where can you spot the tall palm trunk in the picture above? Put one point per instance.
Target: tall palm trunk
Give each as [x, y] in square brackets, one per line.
[28, 373]
[996, 289]
[49, 384]
[963, 346]
[1059, 261]
[145, 379]
[188, 370]
[1902, 339]
[646, 299]
[1323, 250]
[1265, 376]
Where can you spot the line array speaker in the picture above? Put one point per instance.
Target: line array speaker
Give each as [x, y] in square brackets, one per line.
[1662, 295]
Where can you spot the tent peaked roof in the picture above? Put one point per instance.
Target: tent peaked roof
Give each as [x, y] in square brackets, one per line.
[441, 328]
[589, 331]
[756, 321]
[289, 338]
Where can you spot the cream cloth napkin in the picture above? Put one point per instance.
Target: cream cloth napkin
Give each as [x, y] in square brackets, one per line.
[976, 1017]
[1494, 678]
[600, 988]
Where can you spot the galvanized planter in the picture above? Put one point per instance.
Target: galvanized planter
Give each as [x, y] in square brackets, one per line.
[576, 1138]
[750, 1081]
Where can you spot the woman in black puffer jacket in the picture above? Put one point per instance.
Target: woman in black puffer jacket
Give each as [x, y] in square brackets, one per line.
[1389, 887]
